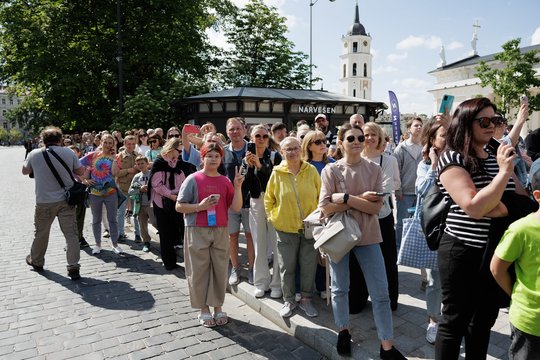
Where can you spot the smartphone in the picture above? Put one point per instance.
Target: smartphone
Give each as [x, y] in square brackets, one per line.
[251, 147]
[446, 104]
[382, 193]
[523, 99]
[214, 197]
[493, 145]
[191, 129]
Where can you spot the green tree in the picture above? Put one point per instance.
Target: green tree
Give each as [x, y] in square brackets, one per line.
[64, 53]
[261, 55]
[511, 75]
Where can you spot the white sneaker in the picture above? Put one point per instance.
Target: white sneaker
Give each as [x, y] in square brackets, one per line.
[276, 293]
[297, 297]
[287, 309]
[96, 250]
[233, 278]
[431, 332]
[118, 249]
[324, 295]
[258, 293]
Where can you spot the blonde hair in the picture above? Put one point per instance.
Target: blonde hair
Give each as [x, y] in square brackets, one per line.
[379, 131]
[171, 144]
[311, 136]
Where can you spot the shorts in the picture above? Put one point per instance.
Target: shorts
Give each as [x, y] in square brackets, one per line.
[235, 218]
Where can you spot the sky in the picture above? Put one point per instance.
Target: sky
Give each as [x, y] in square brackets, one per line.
[406, 38]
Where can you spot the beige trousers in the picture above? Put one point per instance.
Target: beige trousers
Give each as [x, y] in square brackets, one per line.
[206, 257]
[43, 218]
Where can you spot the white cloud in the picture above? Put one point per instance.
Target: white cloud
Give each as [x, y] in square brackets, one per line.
[535, 38]
[454, 45]
[396, 57]
[411, 41]
[385, 69]
[218, 39]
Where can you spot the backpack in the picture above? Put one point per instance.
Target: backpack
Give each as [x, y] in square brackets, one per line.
[435, 208]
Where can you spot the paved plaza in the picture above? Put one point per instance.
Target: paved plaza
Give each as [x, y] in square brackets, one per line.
[128, 307]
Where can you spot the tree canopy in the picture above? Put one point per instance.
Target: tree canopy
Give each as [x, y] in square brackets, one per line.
[63, 54]
[511, 75]
[261, 54]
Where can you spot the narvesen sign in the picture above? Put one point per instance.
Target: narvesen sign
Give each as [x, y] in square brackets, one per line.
[316, 109]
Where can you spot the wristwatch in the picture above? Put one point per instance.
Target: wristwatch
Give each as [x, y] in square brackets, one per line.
[345, 198]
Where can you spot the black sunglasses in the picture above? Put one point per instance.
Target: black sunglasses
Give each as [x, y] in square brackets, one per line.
[174, 135]
[152, 141]
[258, 136]
[318, 142]
[361, 138]
[143, 135]
[485, 121]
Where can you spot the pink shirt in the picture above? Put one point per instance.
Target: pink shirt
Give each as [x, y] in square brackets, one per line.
[199, 186]
[160, 185]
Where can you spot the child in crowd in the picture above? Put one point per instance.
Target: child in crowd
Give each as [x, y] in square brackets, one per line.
[138, 192]
[521, 245]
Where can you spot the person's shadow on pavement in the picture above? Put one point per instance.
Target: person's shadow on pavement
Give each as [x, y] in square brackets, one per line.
[115, 295]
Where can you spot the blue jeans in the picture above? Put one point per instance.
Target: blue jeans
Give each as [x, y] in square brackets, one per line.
[433, 293]
[405, 203]
[372, 264]
[120, 219]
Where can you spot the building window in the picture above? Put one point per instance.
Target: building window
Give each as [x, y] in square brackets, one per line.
[10, 101]
[18, 101]
[4, 112]
[354, 47]
[354, 92]
[344, 70]
[3, 101]
[365, 70]
[354, 69]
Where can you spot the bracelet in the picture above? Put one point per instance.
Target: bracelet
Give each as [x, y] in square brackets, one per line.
[345, 198]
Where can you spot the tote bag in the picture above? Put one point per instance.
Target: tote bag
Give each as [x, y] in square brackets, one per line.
[414, 251]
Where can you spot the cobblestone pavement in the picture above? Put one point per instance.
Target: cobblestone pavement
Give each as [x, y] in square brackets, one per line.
[124, 307]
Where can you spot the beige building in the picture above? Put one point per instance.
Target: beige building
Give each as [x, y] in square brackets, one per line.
[7, 103]
[459, 79]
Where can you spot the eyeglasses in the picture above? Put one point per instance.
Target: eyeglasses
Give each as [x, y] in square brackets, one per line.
[361, 138]
[258, 136]
[143, 135]
[152, 141]
[291, 150]
[174, 135]
[318, 142]
[485, 121]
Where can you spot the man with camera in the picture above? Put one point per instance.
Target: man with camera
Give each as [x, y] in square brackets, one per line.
[51, 200]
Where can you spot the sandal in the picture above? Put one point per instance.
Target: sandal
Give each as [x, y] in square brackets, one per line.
[221, 318]
[206, 320]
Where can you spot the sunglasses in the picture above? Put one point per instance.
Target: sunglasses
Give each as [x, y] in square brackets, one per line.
[485, 121]
[152, 141]
[361, 138]
[174, 135]
[258, 136]
[143, 135]
[319, 142]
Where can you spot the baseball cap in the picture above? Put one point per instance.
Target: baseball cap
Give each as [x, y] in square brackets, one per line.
[320, 116]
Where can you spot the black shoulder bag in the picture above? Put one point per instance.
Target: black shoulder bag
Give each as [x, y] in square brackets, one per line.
[435, 208]
[75, 195]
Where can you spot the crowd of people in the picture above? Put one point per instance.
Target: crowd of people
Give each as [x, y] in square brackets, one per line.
[199, 191]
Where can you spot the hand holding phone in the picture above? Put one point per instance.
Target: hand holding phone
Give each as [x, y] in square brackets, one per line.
[523, 99]
[382, 193]
[446, 104]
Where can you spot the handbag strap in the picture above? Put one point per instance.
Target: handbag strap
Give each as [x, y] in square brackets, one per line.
[340, 178]
[418, 208]
[297, 199]
[53, 169]
[62, 162]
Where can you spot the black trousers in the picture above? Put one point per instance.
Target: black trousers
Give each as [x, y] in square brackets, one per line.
[358, 293]
[469, 308]
[171, 232]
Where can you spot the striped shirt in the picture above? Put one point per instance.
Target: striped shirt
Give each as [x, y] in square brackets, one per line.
[473, 232]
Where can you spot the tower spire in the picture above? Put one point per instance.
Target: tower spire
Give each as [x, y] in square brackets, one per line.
[357, 28]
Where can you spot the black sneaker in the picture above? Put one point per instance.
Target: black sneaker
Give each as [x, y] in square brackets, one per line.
[74, 274]
[83, 244]
[392, 354]
[36, 267]
[122, 238]
[344, 343]
[138, 239]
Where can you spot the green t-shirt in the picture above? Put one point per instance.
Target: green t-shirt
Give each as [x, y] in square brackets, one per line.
[521, 244]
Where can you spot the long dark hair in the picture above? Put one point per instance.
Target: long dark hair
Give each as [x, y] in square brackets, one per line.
[459, 135]
[429, 132]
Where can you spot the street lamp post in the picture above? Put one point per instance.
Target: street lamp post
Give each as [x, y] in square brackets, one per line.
[311, 3]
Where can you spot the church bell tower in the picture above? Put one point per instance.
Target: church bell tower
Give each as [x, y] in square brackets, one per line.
[356, 59]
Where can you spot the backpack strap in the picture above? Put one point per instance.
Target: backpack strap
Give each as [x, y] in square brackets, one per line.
[339, 176]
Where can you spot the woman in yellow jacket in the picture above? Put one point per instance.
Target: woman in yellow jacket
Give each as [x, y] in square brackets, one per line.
[292, 194]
